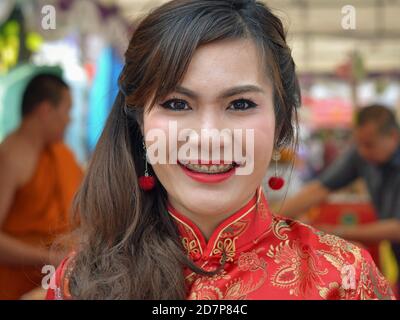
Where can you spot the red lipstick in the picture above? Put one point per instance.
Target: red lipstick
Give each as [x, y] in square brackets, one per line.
[208, 177]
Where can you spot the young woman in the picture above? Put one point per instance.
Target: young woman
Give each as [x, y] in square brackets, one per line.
[181, 230]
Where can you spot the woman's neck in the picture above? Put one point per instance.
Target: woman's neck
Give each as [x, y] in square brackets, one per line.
[206, 223]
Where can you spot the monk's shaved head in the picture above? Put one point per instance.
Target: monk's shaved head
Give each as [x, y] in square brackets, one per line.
[42, 87]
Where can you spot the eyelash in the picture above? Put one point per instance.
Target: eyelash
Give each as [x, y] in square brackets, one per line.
[251, 104]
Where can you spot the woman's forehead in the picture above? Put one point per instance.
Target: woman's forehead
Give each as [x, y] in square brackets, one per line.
[225, 64]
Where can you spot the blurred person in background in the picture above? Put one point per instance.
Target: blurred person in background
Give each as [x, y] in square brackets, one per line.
[39, 176]
[374, 157]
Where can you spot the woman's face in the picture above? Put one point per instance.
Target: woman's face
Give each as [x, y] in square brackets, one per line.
[225, 88]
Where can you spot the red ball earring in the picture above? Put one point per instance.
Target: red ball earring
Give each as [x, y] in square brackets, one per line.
[146, 182]
[276, 182]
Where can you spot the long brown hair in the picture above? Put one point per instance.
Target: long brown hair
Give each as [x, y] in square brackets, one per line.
[129, 246]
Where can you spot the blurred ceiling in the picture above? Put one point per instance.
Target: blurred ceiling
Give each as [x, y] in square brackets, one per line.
[315, 31]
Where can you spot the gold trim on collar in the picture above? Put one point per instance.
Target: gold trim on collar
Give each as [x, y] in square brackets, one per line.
[259, 191]
[191, 229]
[236, 220]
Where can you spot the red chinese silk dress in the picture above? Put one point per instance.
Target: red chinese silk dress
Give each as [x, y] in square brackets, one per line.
[269, 257]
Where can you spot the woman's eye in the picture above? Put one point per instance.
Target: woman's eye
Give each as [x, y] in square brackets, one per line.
[175, 105]
[242, 105]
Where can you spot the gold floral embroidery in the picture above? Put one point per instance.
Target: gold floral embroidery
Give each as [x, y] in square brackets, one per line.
[279, 227]
[302, 261]
[297, 269]
[372, 284]
[227, 246]
[340, 246]
[206, 292]
[191, 246]
[223, 275]
[250, 261]
[333, 292]
[232, 232]
[340, 253]
[227, 240]
[238, 289]
[204, 287]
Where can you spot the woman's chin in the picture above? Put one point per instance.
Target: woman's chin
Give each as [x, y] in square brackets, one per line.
[210, 198]
[206, 201]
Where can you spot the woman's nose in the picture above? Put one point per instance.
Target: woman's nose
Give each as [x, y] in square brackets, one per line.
[215, 135]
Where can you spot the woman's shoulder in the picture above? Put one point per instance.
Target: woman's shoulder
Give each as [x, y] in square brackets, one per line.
[59, 285]
[338, 262]
[309, 236]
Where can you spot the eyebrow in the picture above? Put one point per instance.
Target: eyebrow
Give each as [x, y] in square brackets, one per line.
[226, 94]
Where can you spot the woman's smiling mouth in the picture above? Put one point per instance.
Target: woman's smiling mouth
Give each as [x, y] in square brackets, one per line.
[208, 173]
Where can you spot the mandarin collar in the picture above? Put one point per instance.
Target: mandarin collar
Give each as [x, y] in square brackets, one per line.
[239, 231]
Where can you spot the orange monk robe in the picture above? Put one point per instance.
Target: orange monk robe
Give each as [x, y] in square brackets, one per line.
[40, 212]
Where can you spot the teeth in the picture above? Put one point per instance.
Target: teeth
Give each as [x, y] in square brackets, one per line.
[210, 169]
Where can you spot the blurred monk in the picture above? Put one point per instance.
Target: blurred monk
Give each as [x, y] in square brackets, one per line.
[39, 177]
